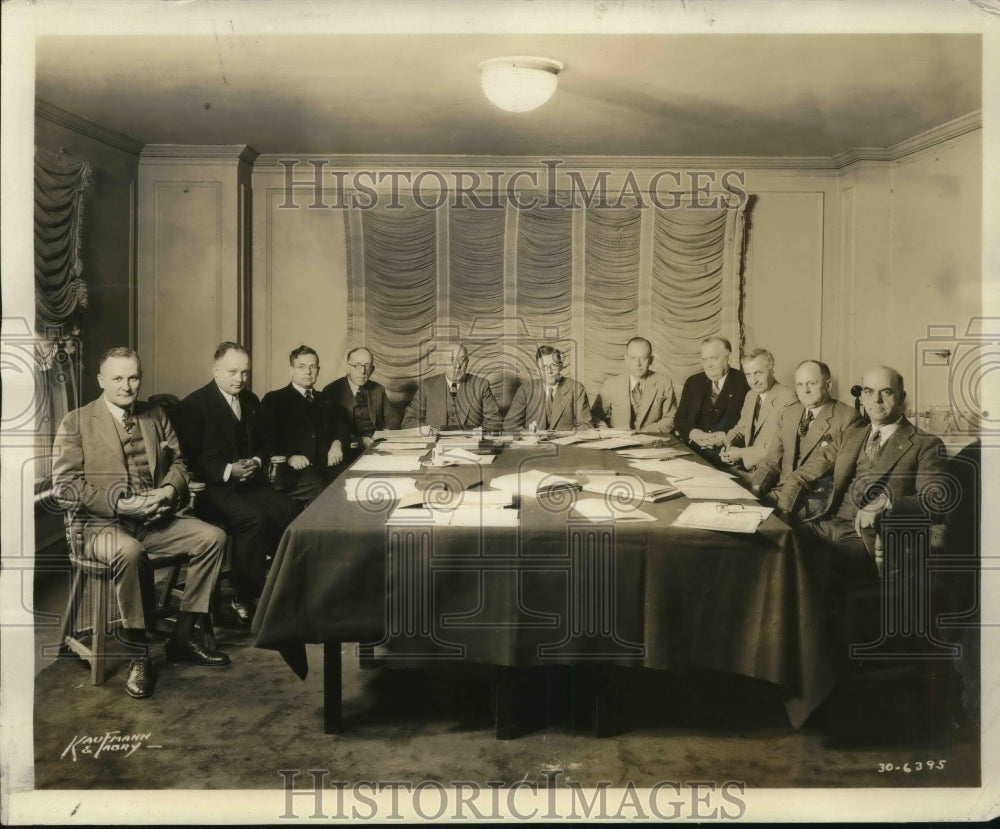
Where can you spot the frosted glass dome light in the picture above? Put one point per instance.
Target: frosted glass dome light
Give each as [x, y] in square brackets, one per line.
[519, 84]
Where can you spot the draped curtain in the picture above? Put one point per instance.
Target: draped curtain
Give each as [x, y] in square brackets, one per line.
[60, 291]
[505, 278]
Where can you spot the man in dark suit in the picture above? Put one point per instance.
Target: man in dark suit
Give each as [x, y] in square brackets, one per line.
[300, 425]
[361, 402]
[218, 427]
[119, 465]
[804, 428]
[711, 400]
[455, 399]
[638, 399]
[885, 467]
[553, 402]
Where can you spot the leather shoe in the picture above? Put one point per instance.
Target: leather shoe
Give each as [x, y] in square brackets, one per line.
[195, 653]
[242, 612]
[141, 681]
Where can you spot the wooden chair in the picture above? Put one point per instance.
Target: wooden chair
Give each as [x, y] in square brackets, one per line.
[98, 619]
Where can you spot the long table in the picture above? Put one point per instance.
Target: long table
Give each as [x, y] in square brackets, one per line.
[557, 589]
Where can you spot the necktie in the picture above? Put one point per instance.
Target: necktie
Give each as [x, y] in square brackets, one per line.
[715, 390]
[636, 398]
[549, 392]
[873, 446]
[805, 422]
[237, 409]
[753, 422]
[309, 395]
[454, 389]
[128, 421]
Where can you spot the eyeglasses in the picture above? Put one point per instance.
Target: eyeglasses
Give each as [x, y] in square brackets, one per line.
[362, 366]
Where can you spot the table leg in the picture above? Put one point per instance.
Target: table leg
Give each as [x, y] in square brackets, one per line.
[332, 688]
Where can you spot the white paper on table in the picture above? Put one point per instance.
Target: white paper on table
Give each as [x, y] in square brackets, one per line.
[374, 488]
[404, 434]
[457, 454]
[568, 440]
[680, 466]
[714, 516]
[472, 499]
[487, 517]
[643, 438]
[649, 453]
[394, 447]
[529, 482]
[714, 492]
[597, 509]
[597, 434]
[628, 487]
[387, 463]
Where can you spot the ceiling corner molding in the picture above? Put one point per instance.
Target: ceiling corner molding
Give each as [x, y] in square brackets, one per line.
[930, 138]
[55, 115]
[190, 153]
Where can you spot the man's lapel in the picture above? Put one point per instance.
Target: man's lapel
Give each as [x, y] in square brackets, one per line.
[104, 425]
[820, 427]
[561, 398]
[895, 447]
[149, 441]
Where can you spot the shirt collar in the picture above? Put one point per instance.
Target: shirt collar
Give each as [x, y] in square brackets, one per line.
[228, 397]
[885, 431]
[354, 389]
[300, 389]
[634, 381]
[116, 411]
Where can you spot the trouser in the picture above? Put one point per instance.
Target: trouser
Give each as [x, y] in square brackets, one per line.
[127, 550]
[255, 516]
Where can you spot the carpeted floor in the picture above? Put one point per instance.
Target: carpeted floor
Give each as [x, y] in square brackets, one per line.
[236, 727]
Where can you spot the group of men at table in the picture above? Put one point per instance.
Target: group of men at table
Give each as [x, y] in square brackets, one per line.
[120, 463]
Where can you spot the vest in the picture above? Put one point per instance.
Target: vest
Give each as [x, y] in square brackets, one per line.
[140, 475]
[363, 424]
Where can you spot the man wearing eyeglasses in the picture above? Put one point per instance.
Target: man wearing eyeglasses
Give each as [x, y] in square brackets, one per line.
[298, 423]
[454, 399]
[879, 468]
[553, 402]
[362, 403]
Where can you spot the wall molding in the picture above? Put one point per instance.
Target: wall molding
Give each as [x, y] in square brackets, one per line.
[55, 115]
[931, 138]
[193, 153]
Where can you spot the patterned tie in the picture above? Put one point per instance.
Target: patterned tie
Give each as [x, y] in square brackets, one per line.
[309, 395]
[716, 388]
[237, 409]
[873, 447]
[128, 421]
[454, 389]
[549, 394]
[805, 423]
[636, 399]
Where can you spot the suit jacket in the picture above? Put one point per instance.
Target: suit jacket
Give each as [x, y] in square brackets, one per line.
[570, 407]
[657, 404]
[384, 416]
[90, 471]
[209, 432]
[779, 462]
[475, 403]
[695, 411]
[288, 427]
[910, 464]
[757, 446]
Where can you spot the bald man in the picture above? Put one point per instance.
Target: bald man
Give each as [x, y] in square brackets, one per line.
[639, 398]
[454, 399]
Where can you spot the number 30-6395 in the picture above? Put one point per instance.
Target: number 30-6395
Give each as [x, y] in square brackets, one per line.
[908, 767]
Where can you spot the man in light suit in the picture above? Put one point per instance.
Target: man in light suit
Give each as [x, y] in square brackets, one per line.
[711, 400]
[218, 428]
[455, 399]
[552, 403]
[119, 464]
[299, 424]
[885, 467]
[362, 403]
[639, 399]
[749, 440]
[804, 428]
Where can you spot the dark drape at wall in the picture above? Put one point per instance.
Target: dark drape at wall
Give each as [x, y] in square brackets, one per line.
[505, 278]
[60, 291]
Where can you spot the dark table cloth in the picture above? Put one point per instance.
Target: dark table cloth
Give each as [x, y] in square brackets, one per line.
[556, 589]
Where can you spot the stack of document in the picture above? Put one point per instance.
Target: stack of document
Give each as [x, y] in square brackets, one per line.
[457, 454]
[466, 508]
[598, 509]
[697, 481]
[726, 517]
[629, 488]
[649, 453]
[422, 433]
[531, 482]
[385, 462]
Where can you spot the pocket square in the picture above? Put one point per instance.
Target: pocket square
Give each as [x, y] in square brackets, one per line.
[164, 444]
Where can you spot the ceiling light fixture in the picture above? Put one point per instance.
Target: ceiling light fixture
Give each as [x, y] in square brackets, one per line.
[519, 84]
